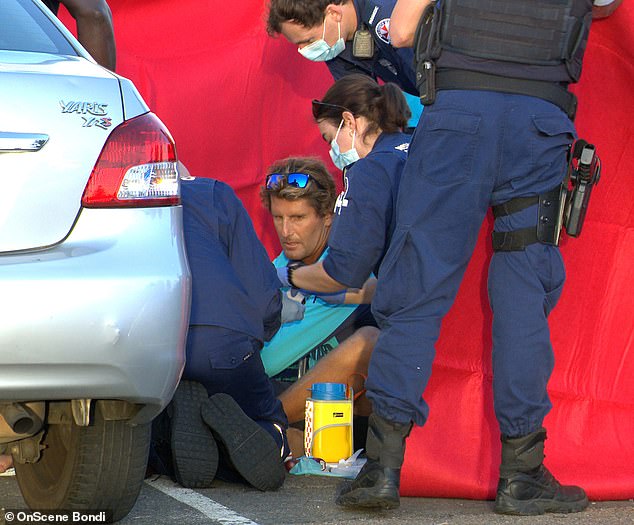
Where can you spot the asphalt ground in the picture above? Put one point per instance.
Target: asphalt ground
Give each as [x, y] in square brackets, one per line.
[309, 500]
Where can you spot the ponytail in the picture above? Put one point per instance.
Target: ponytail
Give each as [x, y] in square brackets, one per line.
[392, 109]
[383, 106]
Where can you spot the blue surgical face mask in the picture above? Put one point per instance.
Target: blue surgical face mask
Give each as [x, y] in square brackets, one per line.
[343, 159]
[320, 51]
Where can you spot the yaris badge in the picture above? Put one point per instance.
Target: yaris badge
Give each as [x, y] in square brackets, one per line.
[93, 114]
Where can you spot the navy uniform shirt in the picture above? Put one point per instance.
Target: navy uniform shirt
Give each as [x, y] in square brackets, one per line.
[234, 284]
[365, 212]
[390, 64]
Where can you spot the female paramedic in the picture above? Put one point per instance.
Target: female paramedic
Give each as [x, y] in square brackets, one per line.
[363, 124]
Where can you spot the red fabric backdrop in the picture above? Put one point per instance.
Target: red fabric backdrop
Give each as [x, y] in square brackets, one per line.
[236, 100]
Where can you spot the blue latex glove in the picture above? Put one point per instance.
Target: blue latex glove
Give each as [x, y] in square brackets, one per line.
[292, 310]
[282, 275]
[297, 295]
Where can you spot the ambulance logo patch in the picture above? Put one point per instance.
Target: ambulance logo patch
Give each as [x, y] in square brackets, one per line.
[383, 30]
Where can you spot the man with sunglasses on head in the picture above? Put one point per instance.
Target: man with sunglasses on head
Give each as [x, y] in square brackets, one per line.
[333, 342]
[350, 36]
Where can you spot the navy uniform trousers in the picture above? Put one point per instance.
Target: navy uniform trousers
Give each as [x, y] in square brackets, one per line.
[471, 150]
[243, 378]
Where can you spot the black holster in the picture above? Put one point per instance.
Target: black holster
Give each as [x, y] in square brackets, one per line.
[562, 207]
[548, 223]
[426, 51]
[584, 171]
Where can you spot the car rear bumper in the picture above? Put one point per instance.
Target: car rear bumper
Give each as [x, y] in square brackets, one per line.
[102, 315]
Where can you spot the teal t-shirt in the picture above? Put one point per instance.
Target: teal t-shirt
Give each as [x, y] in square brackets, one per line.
[294, 340]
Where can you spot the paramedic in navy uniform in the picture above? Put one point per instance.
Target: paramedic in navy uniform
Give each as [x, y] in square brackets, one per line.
[497, 134]
[325, 31]
[362, 121]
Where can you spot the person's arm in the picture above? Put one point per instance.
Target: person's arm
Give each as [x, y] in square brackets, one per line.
[362, 296]
[314, 278]
[94, 29]
[604, 9]
[404, 21]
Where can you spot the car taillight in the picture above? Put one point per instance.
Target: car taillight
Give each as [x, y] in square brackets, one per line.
[136, 167]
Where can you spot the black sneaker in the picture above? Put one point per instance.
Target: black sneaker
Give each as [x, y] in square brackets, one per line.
[249, 449]
[194, 450]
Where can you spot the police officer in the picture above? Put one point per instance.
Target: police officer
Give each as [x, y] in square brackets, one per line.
[496, 132]
[362, 122]
[351, 36]
[94, 27]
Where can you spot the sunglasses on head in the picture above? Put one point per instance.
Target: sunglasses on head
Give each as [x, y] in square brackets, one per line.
[297, 180]
[318, 104]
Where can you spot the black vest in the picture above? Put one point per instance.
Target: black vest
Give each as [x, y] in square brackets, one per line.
[527, 39]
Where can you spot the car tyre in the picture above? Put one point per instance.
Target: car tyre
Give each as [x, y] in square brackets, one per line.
[93, 468]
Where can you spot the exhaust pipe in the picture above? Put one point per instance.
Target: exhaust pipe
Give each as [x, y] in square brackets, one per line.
[20, 418]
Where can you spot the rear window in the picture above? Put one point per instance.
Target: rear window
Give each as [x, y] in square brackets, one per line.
[24, 27]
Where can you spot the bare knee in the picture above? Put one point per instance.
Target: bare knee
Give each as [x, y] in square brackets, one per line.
[364, 338]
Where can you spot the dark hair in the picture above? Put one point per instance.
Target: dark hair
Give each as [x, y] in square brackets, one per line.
[321, 194]
[384, 106]
[307, 13]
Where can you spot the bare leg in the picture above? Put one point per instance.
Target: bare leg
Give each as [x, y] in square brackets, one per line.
[6, 462]
[340, 365]
[295, 439]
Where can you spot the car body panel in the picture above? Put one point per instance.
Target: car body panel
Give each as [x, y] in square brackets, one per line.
[102, 315]
[133, 104]
[76, 104]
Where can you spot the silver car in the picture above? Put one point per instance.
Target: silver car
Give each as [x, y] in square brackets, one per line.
[94, 282]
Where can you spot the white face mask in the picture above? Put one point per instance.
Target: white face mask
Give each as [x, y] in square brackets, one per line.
[320, 51]
[343, 159]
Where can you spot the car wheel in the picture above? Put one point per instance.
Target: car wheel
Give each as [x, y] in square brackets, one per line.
[94, 468]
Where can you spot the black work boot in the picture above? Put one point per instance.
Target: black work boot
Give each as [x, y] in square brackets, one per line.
[248, 449]
[377, 484]
[193, 448]
[526, 487]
